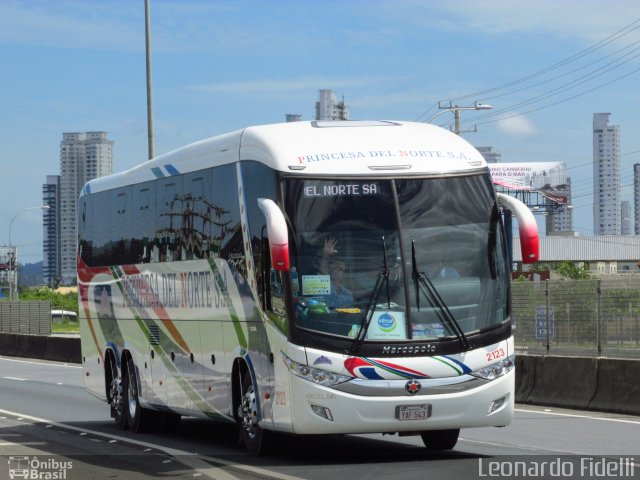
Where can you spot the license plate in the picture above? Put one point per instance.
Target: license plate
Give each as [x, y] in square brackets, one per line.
[413, 412]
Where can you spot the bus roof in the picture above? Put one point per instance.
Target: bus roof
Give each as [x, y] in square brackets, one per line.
[316, 148]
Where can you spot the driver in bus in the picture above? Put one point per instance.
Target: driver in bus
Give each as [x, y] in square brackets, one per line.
[340, 296]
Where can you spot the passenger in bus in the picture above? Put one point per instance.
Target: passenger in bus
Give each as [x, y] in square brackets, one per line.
[443, 268]
[340, 295]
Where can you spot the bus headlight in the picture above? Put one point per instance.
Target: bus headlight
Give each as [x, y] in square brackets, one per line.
[496, 370]
[315, 375]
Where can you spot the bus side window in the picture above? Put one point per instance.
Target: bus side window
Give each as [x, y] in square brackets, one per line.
[260, 182]
[143, 229]
[169, 218]
[223, 210]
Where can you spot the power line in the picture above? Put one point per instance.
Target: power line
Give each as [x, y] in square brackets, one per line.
[543, 107]
[619, 59]
[562, 88]
[611, 38]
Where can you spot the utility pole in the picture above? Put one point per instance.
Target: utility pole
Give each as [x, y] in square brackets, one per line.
[455, 109]
[149, 93]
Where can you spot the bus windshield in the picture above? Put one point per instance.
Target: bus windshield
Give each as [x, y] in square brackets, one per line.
[397, 260]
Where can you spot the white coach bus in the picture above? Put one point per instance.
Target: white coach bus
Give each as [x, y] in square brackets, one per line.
[309, 278]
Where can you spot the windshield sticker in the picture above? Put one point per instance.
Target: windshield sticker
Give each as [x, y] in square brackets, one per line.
[349, 190]
[427, 330]
[387, 326]
[316, 285]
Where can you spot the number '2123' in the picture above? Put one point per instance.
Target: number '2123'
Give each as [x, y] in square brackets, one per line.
[496, 354]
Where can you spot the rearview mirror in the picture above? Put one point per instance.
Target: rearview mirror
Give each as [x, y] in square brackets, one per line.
[529, 241]
[278, 235]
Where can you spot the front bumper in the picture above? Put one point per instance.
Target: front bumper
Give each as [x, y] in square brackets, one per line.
[454, 405]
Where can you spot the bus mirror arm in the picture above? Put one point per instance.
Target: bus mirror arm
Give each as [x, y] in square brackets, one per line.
[278, 234]
[529, 242]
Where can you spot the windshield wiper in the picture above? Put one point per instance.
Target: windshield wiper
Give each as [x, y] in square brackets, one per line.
[421, 278]
[365, 321]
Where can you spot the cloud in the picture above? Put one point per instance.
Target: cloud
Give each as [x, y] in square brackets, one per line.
[288, 85]
[69, 25]
[589, 19]
[520, 126]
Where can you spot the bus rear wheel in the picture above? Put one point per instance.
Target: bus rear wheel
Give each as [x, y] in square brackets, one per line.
[440, 439]
[115, 390]
[138, 419]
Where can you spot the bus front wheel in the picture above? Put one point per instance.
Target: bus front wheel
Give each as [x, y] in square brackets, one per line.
[253, 437]
[440, 439]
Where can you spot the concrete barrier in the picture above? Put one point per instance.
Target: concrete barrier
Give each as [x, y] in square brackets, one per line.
[598, 384]
[61, 349]
[527, 366]
[618, 386]
[8, 342]
[565, 382]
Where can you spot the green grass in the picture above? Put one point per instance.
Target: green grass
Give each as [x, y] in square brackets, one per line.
[65, 327]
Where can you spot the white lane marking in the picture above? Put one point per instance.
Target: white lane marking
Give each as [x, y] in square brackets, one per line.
[575, 415]
[33, 362]
[25, 444]
[15, 378]
[192, 460]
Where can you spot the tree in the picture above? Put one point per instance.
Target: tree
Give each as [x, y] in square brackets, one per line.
[569, 270]
[59, 301]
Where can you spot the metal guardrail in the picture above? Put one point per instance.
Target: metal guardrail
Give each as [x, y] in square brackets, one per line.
[27, 317]
[599, 317]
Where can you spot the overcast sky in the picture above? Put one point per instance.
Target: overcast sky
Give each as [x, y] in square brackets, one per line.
[69, 66]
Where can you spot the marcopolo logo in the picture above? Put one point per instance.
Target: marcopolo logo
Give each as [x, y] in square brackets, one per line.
[34, 468]
[387, 322]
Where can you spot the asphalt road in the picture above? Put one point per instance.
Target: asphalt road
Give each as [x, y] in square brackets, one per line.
[51, 424]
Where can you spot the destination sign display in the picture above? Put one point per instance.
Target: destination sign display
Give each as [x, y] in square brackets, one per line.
[314, 189]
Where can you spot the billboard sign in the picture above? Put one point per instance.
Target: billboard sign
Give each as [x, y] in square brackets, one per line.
[548, 178]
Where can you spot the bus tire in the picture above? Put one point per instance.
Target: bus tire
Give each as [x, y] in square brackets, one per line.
[252, 436]
[138, 418]
[440, 439]
[115, 391]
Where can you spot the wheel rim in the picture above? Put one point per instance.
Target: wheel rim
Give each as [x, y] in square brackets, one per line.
[249, 413]
[115, 390]
[133, 394]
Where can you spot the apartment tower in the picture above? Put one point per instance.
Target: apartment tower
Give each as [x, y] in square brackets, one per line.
[51, 231]
[83, 157]
[328, 108]
[606, 176]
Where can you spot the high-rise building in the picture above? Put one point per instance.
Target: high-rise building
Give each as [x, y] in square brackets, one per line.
[490, 155]
[51, 231]
[83, 157]
[625, 218]
[328, 108]
[606, 176]
[560, 220]
[636, 198]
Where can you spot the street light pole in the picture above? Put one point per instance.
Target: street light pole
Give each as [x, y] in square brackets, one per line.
[147, 24]
[14, 250]
[456, 112]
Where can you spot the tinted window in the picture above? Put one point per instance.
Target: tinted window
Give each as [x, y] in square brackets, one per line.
[224, 211]
[169, 225]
